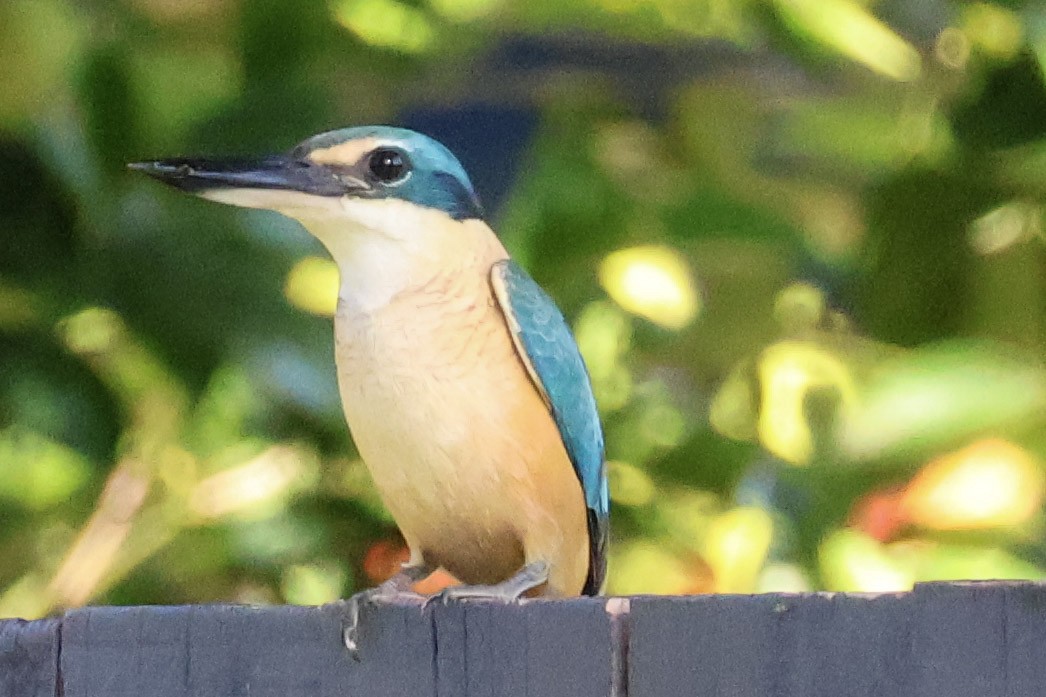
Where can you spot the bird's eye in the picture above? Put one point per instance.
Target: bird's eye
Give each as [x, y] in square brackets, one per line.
[388, 165]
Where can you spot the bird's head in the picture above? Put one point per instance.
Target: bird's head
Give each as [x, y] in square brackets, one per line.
[377, 180]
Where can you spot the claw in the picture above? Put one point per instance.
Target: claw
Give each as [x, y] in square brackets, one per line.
[395, 589]
[372, 596]
[350, 631]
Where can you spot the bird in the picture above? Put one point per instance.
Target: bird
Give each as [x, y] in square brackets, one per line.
[461, 383]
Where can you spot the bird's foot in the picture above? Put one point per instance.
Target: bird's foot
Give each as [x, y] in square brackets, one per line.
[530, 576]
[396, 589]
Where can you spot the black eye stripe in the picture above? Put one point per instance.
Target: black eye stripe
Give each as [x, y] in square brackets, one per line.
[388, 165]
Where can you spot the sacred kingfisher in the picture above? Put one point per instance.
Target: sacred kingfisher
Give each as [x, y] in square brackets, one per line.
[462, 386]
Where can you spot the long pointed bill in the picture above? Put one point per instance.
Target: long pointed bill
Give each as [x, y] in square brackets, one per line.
[272, 182]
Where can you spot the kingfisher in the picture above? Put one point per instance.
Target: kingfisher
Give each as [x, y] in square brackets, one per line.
[462, 385]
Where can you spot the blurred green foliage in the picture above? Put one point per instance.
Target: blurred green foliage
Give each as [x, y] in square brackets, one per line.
[801, 243]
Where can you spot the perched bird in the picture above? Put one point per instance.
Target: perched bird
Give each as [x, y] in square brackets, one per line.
[461, 383]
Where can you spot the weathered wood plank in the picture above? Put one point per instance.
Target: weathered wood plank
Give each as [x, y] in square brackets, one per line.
[205, 651]
[29, 658]
[232, 651]
[397, 653]
[942, 640]
[1024, 620]
[976, 639]
[540, 648]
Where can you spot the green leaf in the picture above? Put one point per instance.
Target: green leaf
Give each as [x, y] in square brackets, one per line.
[38, 472]
[939, 396]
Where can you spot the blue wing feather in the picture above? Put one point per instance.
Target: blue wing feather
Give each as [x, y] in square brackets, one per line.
[550, 348]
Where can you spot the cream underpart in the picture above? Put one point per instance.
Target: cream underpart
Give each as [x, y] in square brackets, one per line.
[459, 443]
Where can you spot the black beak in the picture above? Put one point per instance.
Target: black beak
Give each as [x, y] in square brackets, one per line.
[200, 175]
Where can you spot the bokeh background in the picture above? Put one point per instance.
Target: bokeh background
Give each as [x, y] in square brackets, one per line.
[800, 241]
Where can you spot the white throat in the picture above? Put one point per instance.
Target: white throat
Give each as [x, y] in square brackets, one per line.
[382, 248]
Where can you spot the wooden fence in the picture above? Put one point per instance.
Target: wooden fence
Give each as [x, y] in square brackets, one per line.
[941, 640]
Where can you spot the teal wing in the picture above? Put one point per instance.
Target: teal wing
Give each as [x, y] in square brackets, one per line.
[551, 356]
